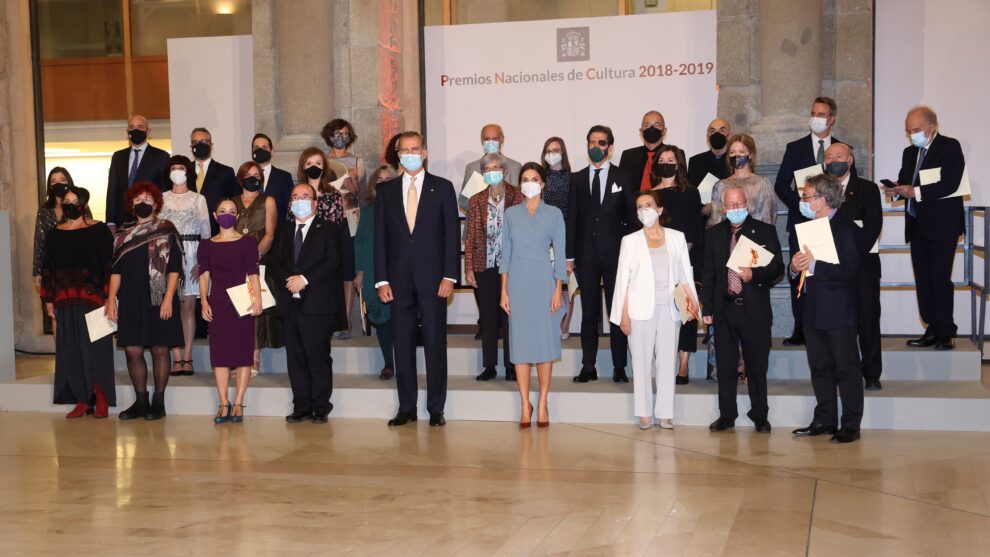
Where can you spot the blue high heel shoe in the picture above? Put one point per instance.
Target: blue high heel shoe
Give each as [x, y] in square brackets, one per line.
[222, 419]
[239, 418]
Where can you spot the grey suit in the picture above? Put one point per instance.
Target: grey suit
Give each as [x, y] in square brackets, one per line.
[512, 169]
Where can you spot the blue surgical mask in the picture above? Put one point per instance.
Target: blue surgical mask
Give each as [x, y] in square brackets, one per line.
[493, 177]
[806, 210]
[302, 208]
[411, 161]
[490, 146]
[918, 139]
[737, 216]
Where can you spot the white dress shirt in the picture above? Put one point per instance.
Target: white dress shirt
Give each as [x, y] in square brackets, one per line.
[143, 148]
[814, 144]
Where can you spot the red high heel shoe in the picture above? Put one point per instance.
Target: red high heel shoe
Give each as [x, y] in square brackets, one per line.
[79, 411]
[102, 408]
[543, 424]
[529, 423]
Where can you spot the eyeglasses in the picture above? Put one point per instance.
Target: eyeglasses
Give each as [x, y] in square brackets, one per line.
[809, 197]
[301, 198]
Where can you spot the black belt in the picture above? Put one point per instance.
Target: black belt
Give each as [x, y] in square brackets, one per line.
[190, 237]
[734, 300]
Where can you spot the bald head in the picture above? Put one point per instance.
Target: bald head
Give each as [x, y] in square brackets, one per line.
[492, 132]
[138, 129]
[838, 153]
[653, 128]
[137, 122]
[722, 127]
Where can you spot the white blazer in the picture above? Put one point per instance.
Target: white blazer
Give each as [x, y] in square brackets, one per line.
[635, 275]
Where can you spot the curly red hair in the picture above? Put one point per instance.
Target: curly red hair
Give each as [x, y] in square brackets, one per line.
[142, 187]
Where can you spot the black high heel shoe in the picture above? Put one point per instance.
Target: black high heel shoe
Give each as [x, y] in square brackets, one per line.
[238, 418]
[221, 418]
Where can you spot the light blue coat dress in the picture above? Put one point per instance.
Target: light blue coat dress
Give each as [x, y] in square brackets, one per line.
[534, 333]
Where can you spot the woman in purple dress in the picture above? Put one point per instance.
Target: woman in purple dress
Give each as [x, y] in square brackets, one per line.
[226, 260]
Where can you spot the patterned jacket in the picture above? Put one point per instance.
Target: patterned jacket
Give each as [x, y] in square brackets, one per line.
[475, 239]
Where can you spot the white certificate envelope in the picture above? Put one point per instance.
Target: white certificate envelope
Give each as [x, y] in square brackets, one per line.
[339, 182]
[572, 286]
[474, 184]
[706, 186]
[801, 176]
[876, 245]
[680, 302]
[964, 188]
[817, 235]
[240, 295]
[745, 252]
[930, 176]
[352, 221]
[98, 325]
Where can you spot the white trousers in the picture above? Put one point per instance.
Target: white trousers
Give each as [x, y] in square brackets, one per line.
[654, 341]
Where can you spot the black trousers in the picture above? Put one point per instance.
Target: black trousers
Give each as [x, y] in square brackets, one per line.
[868, 318]
[307, 351]
[492, 318]
[796, 303]
[408, 308]
[834, 362]
[932, 262]
[732, 327]
[591, 272]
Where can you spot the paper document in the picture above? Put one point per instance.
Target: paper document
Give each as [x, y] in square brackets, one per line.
[242, 297]
[876, 245]
[352, 221]
[572, 286]
[930, 176]
[706, 187]
[964, 188]
[474, 184]
[338, 184]
[817, 235]
[748, 254]
[801, 176]
[98, 325]
[680, 302]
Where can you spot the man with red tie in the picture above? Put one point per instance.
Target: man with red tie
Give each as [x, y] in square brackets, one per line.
[636, 162]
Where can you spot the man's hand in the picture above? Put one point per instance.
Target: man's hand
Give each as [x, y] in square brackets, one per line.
[385, 293]
[904, 191]
[469, 278]
[570, 268]
[295, 284]
[707, 320]
[746, 274]
[446, 288]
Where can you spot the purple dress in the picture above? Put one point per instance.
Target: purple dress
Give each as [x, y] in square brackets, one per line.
[229, 263]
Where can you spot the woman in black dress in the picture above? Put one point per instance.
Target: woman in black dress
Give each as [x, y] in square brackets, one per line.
[74, 276]
[147, 264]
[682, 203]
[555, 193]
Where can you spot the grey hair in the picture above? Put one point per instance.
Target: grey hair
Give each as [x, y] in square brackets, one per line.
[732, 187]
[827, 187]
[490, 158]
[927, 112]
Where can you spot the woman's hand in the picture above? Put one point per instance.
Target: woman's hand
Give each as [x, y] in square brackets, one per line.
[37, 283]
[50, 309]
[470, 279]
[555, 301]
[207, 311]
[625, 326]
[358, 280]
[165, 310]
[505, 302]
[256, 307]
[110, 310]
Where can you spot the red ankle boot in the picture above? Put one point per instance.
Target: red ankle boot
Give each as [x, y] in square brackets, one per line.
[102, 409]
[79, 411]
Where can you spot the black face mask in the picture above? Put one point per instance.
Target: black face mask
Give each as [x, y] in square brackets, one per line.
[652, 135]
[313, 172]
[137, 137]
[201, 150]
[251, 184]
[665, 170]
[717, 140]
[261, 156]
[837, 168]
[72, 211]
[143, 210]
[59, 189]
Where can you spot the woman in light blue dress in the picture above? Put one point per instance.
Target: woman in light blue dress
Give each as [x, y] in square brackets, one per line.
[531, 288]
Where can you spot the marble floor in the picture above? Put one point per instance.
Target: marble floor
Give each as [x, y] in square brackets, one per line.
[355, 487]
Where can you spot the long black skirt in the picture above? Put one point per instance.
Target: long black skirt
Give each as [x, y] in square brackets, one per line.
[80, 365]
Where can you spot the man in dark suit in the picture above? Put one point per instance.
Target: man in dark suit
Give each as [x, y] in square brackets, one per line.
[213, 180]
[139, 162]
[738, 305]
[861, 204]
[600, 212]
[800, 154]
[637, 161]
[829, 290]
[417, 262]
[934, 221]
[277, 182]
[712, 161]
[305, 269]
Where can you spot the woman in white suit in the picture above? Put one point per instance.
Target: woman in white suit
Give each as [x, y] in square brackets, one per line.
[653, 264]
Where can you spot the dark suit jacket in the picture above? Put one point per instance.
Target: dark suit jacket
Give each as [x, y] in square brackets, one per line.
[592, 230]
[218, 184]
[424, 257]
[704, 163]
[321, 261]
[279, 186]
[938, 218]
[798, 155]
[862, 202]
[152, 168]
[830, 296]
[715, 278]
[633, 163]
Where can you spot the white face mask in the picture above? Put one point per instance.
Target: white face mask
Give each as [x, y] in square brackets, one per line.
[178, 177]
[531, 189]
[553, 159]
[648, 216]
[818, 124]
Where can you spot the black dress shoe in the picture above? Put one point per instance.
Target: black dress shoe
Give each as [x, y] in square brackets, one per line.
[587, 374]
[510, 373]
[873, 385]
[682, 380]
[762, 425]
[402, 418]
[487, 375]
[320, 418]
[437, 420]
[814, 430]
[296, 417]
[945, 343]
[619, 375]
[846, 436]
[722, 424]
[797, 339]
[923, 341]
